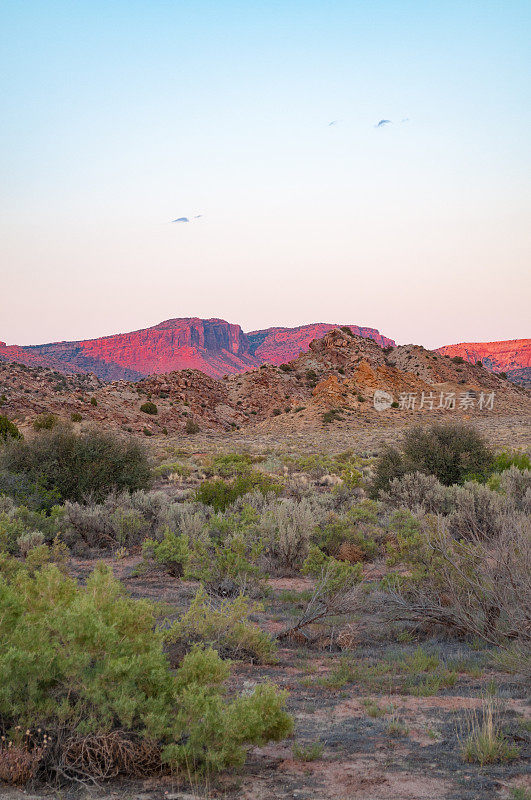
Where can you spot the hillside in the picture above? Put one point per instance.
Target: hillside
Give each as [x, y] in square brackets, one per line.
[512, 356]
[333, 382]
[279, 345]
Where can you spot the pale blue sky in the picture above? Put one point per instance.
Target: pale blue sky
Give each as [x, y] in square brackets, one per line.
[118, 117]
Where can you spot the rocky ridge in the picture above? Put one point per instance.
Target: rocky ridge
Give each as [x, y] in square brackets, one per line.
[334, 381]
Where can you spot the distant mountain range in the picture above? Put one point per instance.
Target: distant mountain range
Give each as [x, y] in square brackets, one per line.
[333, 382]
[212, 346]
[218, 348]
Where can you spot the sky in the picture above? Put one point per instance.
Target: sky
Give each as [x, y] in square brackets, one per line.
[120, 117]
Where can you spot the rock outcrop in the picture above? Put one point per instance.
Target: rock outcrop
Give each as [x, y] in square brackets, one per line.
[280, 345]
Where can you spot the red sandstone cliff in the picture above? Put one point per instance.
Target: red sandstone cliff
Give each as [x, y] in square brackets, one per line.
[512, 356]
[279, 345]
[212, 346]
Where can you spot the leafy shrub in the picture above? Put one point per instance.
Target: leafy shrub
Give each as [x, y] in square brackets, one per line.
[172, 552]
[8, 429]
[45, 422]
[453, 452]
[76, 417]
[506, 460]
[149, 408]
[66, 648]
[93, 401]
[226, 628]
[219, 494]
[458, 360]
[75, 466]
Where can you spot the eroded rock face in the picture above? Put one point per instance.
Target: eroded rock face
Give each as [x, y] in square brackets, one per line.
[339, 373]
[213, 346]
[512, 356]
[280, 345]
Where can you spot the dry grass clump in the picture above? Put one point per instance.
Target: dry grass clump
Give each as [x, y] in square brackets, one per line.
[482, 740]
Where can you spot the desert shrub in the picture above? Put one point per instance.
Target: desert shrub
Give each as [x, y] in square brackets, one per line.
[353, 536]
[506, 460]
[416, 491]
[470, 586]
[8, 429]
[515, 485]
[65, 649]
[452, 452]
[219, 493]
[93, 401]
[17, 521]
[45, 422]
[286, 527]
[476, 511]
[172, 552]
[229, 465]
[225, 627]
[227, 559]
[127, 519]
[336, 592]
[76, 417]
[75, 466]
[149, 408]
[191, 426]
[28, 541]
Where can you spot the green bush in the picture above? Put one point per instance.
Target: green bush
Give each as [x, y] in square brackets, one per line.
[191, 426]
[219, 494]
[45, 422]
[80, 661]
[8, 429]
[172, 552]
[453, 452]
[227, 629]
[93, 401]
[74, 466]
[506, 460]
[149, 408]
[76, 417]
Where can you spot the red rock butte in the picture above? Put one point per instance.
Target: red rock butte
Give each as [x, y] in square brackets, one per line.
[213, 346]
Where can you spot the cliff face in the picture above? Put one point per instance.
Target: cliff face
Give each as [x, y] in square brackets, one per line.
[279, 345]
[212, 346]
[338, 373]
[512, 356]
